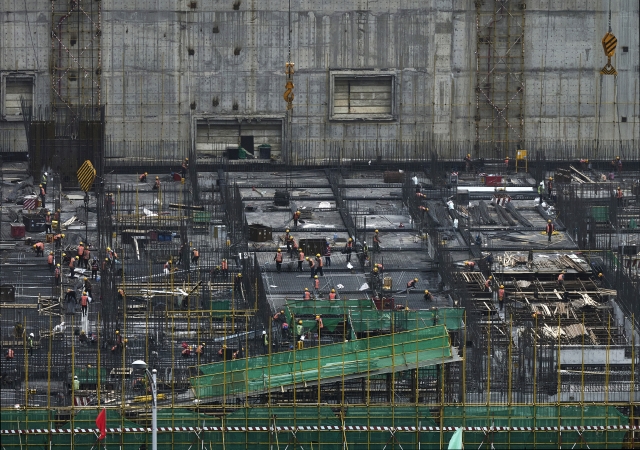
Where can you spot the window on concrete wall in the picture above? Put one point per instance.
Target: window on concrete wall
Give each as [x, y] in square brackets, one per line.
[362, 95]
[214, 136]
[14, 87]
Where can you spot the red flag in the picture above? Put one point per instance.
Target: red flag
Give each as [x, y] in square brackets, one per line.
[101, 423]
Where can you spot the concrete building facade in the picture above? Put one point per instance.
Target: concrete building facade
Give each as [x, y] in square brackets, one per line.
[389, 79]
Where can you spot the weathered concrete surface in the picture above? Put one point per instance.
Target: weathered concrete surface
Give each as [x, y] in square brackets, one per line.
[154, 89]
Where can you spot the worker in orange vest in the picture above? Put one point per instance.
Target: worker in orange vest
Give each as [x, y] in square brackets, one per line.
[224, 266]
[411, 284]
[47, 221]
[487, 283]
[72, 266]
[156, 185]
[470, 265]
[332, 294]
[320, 264]
[376, 241]
[80, 249]
[550, 228]
[185, 166]
[56, 275]
[50, 261]
[561, 278]
[300, 260]
[319, 323]
[195, 256]
[143, 177]
[278, 259]
[316, 284]
[43, 193]
[39, 248]
[349, 249]
[57, 240]
[307, 294]
[501, 296]
[506, 164]
[427, 296]
[85, 257]
[312, 265]
[84, 301]
[10, 354]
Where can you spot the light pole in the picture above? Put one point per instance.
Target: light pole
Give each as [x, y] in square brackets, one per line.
[139, 364]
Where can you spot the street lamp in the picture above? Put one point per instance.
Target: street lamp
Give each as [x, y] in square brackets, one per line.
[141, 365]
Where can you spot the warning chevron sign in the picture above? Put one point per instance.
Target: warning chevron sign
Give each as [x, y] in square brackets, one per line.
[609, 42]
[86, 175]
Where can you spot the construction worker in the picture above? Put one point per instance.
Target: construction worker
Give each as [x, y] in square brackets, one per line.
[501, 297]
[286, 235]
[84, 302]
[72, 267]
[619, 196]
[81, 250]
[349, 248]
[376, 241]
[238, 282]
[83, 337]
[39, 248]
[299, 328]
[185, 166]
[319, 323]
[265, 342]
[200, 349]
[56, 215]
[87, 286]
[327, 253]
[224, 267]
[300, 260]
[76, 384]
[195, 256]
[10, 354]
[293, 245]
[312, 266]
[375, 279]
[94, 269]
[319, 265]
[617, 165]
[30, 343]
[470, 265]
[296, 217]
[43, 181]
[530, 259]
[540, 192]
[279, 317]
[143, 178]
[306, 295]
[600, 279]
[121, 294]
[50, 261]
[118, 342]
[85, 257]
[467, 163]
[42, 196]
[47, 221]
[332, 294]
[561, 279]
[186, 350]
[278, 259]
[156, 185]
[215, 273]
[56, 275]
[112, 254]
[57, 240]
[70, 299]
[487, 283]
[316, 284]
[427, 296]
[549, 187]
[550, 228]
[411, 284]
[506, 164]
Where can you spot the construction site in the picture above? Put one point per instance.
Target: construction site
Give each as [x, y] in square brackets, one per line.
[438, 232]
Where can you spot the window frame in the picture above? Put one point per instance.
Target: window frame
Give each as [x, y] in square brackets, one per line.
[362, 74]
[26, 75]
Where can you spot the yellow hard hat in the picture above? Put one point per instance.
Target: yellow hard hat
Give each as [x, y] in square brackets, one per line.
[282, 311]
[501, 286]
[186, 159]
[146, 173]
[108, 249]
[617, 157]
[40, 185]
[84, 293]
[350, 239]
[64, 254]
[300, 250]
[307, 258]
[317, 317]
[300, 322]
[240, 275]
[318, 255]
[298, 212]
[316, 276]
[81, 243]
[415, 279]
[157, 178]
[375, 269]
[85, 278]
[550, 178]
[333, 290]
[490, 277]
[426, 291]
[306, 289]
[51, 253]
[287, 230]
[600, 274]
[34, 245]
[62, 235]
[618, 187]
[279, 250]
[376, 231]
[549, 220]
[117, 332]
[57, 265]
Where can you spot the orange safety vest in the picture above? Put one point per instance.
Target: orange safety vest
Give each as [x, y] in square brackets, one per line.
[301, 256]
[487, 284]
[224, 265]
[411, 283]
[57, 273]
[83, 300]
[157, 184]
[332, 296]
[86, 253]
[561, 277]
[80, 250]
[320, 263]
[619, 193]
[307, 295]
[317, 283]
[296, 215]
[279, 257]
[311, 263]
[10, 354]
[501, 294]
[72, 261]
[40, 246]
[549, 228]
[196, 253]
[42, 192]
[50, 259]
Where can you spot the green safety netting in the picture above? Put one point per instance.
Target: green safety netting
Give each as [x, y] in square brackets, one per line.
[24, 420]
[386, 416]
[87, 419]
[280, 417]
[184, 440]
[375, 320]
[380, 354]
[89, 375]
[537, 416]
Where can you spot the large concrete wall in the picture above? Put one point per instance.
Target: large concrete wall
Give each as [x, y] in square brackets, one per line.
[150, 82]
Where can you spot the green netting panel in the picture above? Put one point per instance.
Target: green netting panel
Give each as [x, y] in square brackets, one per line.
[537, 416]
[23, 420]
[375, 320]
[284, 416]
[89, 375]
[385, 416]
[182, 440]
[338, 308]
[87, 419]
[381, 353]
